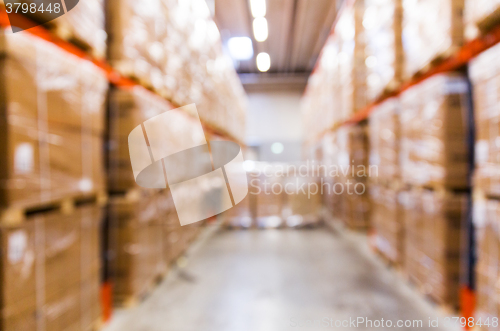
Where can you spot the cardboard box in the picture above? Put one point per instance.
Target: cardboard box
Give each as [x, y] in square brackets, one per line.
[432, 30]
[434, 151]
[50, 112]
[433, 232]
[338, 88]
[48, 263]
[385, 140]
[485, 75]
[384, 46]
[128, 109]
[480, 16]
[387, 222]
[486, 221]
[137, 237]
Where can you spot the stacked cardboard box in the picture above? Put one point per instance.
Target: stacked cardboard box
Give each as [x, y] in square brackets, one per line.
[431, 30]
[387, 191]
[51, 272]
[337, 89]
[434, 160]
[52, 123]
[136, 233]
[266, 186]
[485, 73]
[84, 24]
[387, 223]
[331, 200]
[383, 22]
[175, 238]
[302, 187]
[434, 150]
[486, 216]
[411, 215]
[174, 47]
[480, 16]
[433, 230]
[128, 109]
[443, 214]
[354, 172]
[384, 129]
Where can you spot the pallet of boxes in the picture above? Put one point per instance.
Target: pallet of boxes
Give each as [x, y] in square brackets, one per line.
[485, 75]
[343, 61]
[302, 187]
[52, 187]
[353, 173]
[146, 235]
[435, 166]
[386, 190]
[385, 73]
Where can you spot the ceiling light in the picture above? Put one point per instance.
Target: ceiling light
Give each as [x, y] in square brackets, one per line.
[258, 8]
[260, 30]
[277, 148]
[240, 48]
[263, 62]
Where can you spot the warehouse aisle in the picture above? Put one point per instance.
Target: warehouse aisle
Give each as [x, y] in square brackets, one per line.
[274, 280]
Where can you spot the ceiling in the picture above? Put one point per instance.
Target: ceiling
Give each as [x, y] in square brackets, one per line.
[297, 32]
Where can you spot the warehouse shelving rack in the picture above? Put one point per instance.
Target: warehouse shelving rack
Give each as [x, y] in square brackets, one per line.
[457, 61]
[114, 77]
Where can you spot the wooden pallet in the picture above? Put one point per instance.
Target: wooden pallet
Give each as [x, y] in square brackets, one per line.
[66, 205]
[133, 300]
[66, 33]
[127, 71]
[488, 23]
[436, 61]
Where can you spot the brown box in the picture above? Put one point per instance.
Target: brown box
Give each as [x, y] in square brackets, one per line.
[433, 224]
[486, 79]
[47, 263]
[387, 222]
[384, 46]
[128, 109]
[434, 150]
[337, 89]
[486, 221]
[432, 30]
[52, 123]
[385, 141]
[480, 16]
[137, 244]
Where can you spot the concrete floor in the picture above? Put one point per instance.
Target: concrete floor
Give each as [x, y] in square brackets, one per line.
[273, 280]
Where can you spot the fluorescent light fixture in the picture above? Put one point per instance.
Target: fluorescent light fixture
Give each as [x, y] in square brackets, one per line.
[258, 8]
[260, 30]
[240, 48]
[263, 62]
[277, 148]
